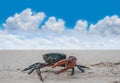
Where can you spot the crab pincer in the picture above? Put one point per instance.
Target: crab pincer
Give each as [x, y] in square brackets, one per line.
[69, 63]
[37, 67]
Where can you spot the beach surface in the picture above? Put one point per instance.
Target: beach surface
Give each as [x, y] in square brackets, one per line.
[104, 66]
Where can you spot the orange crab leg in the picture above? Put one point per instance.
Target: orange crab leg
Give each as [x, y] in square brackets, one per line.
[59, 63]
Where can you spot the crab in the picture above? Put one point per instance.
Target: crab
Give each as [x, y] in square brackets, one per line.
[54, 60]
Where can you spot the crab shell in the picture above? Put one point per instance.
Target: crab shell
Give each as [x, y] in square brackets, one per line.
[52, 58]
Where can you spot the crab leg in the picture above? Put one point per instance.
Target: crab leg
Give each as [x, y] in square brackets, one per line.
[80, 68]
[72, 72]
[39, 74]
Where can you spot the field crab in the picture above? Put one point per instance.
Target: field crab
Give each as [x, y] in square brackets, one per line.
[54, 60]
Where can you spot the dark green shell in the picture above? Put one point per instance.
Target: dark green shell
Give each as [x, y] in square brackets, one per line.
[53, 57]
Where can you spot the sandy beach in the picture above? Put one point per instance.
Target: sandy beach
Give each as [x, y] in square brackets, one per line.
[104, 66]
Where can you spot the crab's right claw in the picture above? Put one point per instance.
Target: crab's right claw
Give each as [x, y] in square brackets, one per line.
[37, 67]
[32, 67]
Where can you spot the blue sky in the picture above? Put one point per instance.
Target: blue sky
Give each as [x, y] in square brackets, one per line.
[69, 10]
[59, 24]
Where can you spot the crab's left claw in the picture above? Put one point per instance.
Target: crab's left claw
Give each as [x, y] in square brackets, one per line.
[59, 63]
[69, 63]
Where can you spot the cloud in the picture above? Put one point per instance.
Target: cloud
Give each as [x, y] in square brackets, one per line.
[25, 21]
[81, 25]
[107, 26]
[22, 31]
[54, 25]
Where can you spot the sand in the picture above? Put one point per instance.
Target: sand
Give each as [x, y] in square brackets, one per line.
[104, 66]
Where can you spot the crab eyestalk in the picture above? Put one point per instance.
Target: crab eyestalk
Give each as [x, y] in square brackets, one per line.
[37, 67]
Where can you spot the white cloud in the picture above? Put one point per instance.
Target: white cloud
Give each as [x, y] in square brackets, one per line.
[107, 26]
[54, 25]
[54, 35]
[81, 25]
[25, 21]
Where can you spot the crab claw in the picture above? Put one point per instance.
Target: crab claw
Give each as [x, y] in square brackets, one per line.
[37, 67]
[31, 68]
[69, 63]
[59, 63]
